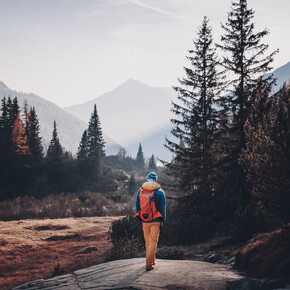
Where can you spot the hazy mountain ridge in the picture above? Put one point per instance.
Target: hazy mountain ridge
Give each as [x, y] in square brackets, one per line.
[70, 127]
[129, 110]
[135, 112]
[132, 111]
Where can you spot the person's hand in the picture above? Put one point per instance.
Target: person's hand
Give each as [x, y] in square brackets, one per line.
[161, 224]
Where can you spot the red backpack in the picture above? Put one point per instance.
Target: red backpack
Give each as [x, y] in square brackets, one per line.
[148, 211]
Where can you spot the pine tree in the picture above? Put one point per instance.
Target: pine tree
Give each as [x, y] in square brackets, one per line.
[83, 147]
[4, 114]
[55, 152]
[5, 137]
[140, 161]
[19, 138]
[196, 120]
[95, 137]
[244, 61]
[95, 143]
[11, 109]
[152, 163]
[33, 134]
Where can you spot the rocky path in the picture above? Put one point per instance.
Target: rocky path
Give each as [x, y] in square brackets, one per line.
[131, 274]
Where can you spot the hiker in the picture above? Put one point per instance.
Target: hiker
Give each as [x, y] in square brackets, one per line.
[151, 209]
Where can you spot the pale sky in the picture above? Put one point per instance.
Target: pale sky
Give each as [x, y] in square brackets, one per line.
[71, 51]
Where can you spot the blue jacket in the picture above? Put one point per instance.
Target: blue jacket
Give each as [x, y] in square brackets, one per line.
[159, 198]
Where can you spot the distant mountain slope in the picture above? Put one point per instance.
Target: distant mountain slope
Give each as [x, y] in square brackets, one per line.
[153, 143]
[70, 128]
[135, 112]
[130, 111]
[282, 74]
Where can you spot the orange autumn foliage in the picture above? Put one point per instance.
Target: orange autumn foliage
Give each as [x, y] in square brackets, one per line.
[19, 137]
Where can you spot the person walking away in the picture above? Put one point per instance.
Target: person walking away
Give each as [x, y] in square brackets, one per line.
[151, 209]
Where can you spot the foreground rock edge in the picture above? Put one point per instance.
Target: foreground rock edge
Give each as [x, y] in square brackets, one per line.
[131, 274]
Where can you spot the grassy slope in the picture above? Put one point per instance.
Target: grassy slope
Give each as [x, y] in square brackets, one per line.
[27, 255]
[266, 255]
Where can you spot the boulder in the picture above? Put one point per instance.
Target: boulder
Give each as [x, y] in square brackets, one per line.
[212, 257]
[232, 260]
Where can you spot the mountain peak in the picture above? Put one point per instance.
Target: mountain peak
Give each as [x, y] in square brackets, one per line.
[133, 82]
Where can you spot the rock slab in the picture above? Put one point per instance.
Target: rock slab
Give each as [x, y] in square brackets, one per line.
[131, 274]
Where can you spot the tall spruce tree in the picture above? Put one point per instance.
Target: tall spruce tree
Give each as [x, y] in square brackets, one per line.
[196, 120]
[140, 161]
[54, 151]
[14, 155]
[33, 134]
[4, 111]
[5, 137]
[13, 111]
[4, 114]
[96, 144]
[245, 61]
[95, 137]
[9, 112]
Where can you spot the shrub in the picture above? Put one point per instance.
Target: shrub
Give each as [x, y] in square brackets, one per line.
[127, 237]
[128, 227]
[57, 271]
[184, 227]
[172, 253]
[249, 221]
[126, 248]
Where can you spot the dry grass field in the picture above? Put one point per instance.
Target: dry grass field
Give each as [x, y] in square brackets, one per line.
[36, 249]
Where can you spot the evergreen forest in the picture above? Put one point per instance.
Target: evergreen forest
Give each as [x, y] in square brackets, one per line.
[231, 160]
[27, 171]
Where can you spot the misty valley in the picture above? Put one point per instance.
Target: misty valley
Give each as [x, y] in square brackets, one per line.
[195, 175]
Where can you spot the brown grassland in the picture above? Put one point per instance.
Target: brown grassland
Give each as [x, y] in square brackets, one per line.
[35, 249]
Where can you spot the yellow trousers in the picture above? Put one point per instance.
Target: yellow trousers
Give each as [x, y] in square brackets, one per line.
[151, 234]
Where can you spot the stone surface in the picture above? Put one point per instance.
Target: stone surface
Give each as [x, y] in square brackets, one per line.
[131, 274]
